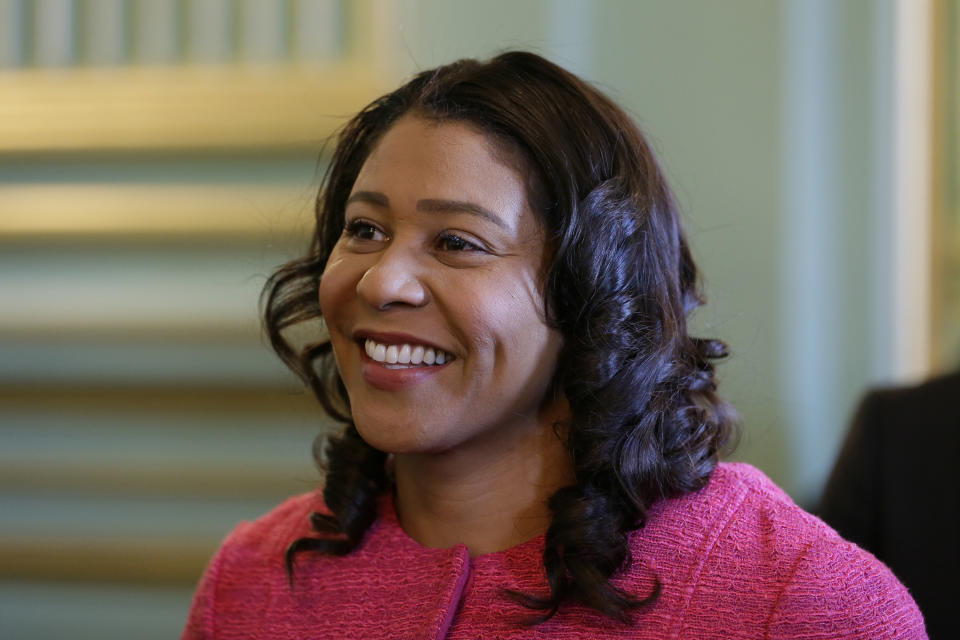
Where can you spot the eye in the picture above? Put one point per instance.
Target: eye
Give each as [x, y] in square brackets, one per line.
[451, 242]
[363, 230]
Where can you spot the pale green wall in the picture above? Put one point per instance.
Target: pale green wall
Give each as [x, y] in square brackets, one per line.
[769, 117]
[765, 117]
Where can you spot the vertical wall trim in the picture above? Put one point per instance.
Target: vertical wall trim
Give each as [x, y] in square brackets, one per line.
[262, 31]
[211, 31]
[810, 299]
[912, 188]
[103, 32]
[54, 33]
[883, 234]
[317, 29]
[156, 32]
[12, 28]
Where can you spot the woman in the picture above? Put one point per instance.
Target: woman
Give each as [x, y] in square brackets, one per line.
[531, 436]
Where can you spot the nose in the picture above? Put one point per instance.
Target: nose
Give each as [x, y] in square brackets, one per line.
[394, 281]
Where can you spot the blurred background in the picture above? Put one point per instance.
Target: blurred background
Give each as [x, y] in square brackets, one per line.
[158, 158]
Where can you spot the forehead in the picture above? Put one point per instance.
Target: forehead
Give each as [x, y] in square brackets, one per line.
[420, 158]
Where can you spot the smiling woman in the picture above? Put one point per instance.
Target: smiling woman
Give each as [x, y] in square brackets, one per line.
[531, 437]
[420, 268]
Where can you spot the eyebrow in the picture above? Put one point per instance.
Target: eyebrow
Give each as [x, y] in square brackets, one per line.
[370, 197]
[431, 205]
[459, 206]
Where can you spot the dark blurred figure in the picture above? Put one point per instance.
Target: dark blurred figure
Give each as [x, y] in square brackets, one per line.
[893, 493]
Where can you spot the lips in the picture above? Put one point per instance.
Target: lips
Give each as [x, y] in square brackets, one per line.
[407, 348]
[395, 361]
[405, 354]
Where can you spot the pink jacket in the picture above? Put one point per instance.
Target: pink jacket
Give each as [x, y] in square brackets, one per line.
[736, 560]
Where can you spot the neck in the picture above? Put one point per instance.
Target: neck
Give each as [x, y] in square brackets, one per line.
[489, 496]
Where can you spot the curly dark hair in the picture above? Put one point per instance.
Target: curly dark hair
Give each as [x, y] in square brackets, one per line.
[646, 421]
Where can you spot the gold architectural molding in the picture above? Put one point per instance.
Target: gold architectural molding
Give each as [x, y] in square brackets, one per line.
[69, 556]
[180, 108]
[161, 478]
[945, 227]
[99, 209]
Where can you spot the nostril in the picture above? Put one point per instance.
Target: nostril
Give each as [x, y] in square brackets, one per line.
[392, 282]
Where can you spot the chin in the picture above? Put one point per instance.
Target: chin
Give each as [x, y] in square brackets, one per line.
[392, 437]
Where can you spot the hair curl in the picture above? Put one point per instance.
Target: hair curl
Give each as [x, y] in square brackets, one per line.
[646, 422]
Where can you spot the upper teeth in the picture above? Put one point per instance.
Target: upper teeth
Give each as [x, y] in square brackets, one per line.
[405, 353]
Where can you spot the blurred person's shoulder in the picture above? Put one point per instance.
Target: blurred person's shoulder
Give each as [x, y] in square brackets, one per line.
[944, 387]
[900, 441]
[927, 402]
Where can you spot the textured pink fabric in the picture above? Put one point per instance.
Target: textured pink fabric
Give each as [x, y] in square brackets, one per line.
[736, 560]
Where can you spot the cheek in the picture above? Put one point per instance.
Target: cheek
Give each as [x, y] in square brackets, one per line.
[539, 344]
[325, 296]
[335, 285]
[513, 324]
[334, 298]
[522, 308]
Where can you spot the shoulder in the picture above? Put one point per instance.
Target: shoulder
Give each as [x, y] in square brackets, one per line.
[750, 554]
[926, 405]
[763, 506]
[741, 495]
[749, 526]
[248, 563]
[252, 555]
[730, 475]
[944, 388]
[818, 580]
[836, 585]
[271, 533]
[765, 518]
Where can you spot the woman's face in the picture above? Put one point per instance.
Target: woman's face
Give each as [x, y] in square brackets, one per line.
[432, 295]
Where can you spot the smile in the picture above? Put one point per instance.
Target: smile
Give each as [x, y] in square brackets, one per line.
[405, 356]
